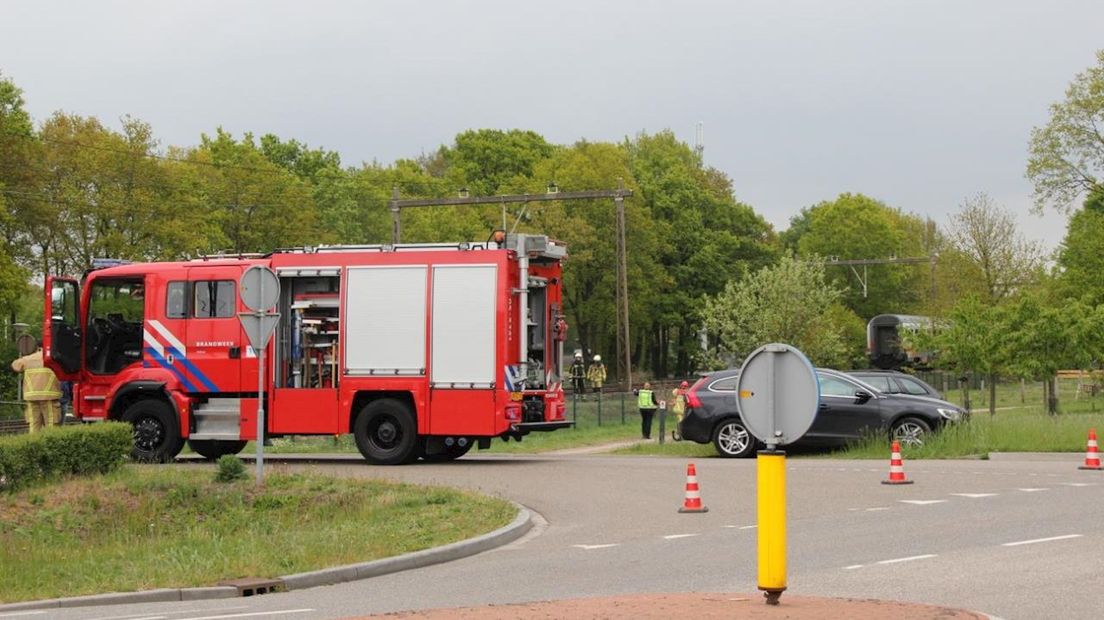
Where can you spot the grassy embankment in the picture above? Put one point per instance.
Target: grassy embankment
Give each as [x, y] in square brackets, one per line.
[1019, 425]
[155, 527]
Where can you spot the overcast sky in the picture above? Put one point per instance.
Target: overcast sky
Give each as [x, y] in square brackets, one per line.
[919, 104]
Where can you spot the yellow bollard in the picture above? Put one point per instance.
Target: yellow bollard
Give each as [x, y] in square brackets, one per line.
[771, 468]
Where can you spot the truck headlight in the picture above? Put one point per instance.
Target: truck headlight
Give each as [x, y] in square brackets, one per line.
[954, 415]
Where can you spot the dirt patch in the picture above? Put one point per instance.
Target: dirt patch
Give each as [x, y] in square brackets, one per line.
[700, 606]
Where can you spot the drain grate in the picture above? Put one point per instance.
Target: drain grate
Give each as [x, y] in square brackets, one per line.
[252, 586]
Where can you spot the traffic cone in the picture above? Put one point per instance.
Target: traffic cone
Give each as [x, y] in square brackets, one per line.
[1092, 457]
[896, 467]
[693, 502]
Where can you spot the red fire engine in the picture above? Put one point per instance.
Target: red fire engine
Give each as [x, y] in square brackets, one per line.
[418, 350]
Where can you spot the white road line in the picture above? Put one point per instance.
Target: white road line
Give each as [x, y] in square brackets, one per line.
[674, 536]
[922, 502]
[170, 613]
[852, 567]
[251, 614]
[877, 509]
[749, 527]
[1030, 490]
[590, 547]
[908, 559]
[975, 495]
[15, 614]
[1078, 484]
[1040, 540]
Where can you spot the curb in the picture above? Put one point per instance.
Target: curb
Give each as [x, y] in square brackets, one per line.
[517, 528]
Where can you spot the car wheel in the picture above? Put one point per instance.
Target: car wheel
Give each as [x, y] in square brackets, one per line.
[214, 449]
[156, 433]
[386, 433]
[910, 431]
[733, 440]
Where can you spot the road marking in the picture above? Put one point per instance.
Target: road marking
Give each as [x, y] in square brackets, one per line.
[1040, 540]
[1079, 484]
[975, 495]
[748, 527]
[877, 508]
[170, 613]
[1029, 490]
[22, 613]
[674, 536]
[852, 567]
[251, 614]
[590, 547]
[922, 502]
[908, 559]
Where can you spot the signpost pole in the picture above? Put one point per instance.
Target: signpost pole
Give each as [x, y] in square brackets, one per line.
[258, 326]
[260, 410]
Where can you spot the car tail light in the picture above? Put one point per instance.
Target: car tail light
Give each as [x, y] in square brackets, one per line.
[513, 412]
[692, 396]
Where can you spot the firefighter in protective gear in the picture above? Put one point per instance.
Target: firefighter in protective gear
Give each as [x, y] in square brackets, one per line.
[678, 407]
[646, 402]
[596, 374]
[578, 376]
[41, 391]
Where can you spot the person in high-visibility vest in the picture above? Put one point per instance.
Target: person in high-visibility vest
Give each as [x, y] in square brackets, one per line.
[678, 407]
[41, 391]
[646, 402]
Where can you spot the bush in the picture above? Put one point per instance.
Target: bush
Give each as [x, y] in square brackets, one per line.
[26, 460]
[230, 468]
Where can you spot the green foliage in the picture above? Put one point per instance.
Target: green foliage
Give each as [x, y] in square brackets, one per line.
[854, 226]
[490, 160]
[791, 302]
[1081, 255]
[230, 469]
[27, 460]
[985, 233]
[1067, 154]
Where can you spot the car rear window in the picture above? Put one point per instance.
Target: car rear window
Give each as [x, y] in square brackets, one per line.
[723, 385]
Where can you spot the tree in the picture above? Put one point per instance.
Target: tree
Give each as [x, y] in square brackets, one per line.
[1067, 154]
[854, 226]
[986, 233]
[486, 160]
[1081, 255]
[791, 302]
[18, 150]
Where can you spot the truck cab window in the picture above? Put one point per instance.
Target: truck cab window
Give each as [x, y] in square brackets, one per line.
[115, 313]
[214, 299]
[175, 306]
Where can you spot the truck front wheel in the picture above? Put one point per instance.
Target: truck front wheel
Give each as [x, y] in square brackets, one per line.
[386, 432]
[156, 433]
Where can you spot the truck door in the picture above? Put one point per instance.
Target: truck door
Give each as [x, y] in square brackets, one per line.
[61, 338]
[215, 350]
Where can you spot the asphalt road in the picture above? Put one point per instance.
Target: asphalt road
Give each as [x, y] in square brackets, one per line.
[1013, 538]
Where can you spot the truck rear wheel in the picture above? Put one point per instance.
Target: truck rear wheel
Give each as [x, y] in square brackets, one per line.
[156, 432]
[213, 449]
[386, 432]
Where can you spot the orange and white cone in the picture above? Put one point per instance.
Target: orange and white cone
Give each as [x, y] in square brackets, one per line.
[693, 502]
[896, 467]
[1092, 457]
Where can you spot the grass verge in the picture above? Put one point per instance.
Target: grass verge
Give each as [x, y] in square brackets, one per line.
[157, 527]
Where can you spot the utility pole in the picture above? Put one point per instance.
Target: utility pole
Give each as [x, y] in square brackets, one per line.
[624, 360]
[863, 262]
[624, 357]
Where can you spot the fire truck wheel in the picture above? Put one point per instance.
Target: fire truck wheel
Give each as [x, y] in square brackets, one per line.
[386, 433]
[213, 449]
[156, 433]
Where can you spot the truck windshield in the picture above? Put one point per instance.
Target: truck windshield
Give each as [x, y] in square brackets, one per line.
[116, 310]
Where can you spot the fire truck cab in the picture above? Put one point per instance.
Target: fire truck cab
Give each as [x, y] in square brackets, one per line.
[419, 351]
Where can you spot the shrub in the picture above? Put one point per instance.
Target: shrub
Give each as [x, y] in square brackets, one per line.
[26, 460]
[230, 468]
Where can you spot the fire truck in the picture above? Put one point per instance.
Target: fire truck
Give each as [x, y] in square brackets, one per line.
[417, 350]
